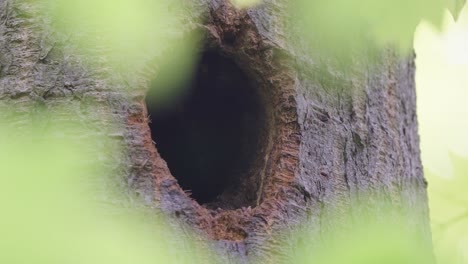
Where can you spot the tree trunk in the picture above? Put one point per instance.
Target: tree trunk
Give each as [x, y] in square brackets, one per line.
[320, 137]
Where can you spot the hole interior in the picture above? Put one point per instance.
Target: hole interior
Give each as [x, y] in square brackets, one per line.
[212, 137]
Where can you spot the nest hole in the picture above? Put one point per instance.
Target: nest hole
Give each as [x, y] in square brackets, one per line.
[213, 136]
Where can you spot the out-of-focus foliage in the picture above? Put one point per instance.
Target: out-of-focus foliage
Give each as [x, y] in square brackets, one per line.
[442, 89]
[50, 213]
[132, 37]
[449, 213]
[351, 29]
[360, 239]
[245, 3]
[455, 7]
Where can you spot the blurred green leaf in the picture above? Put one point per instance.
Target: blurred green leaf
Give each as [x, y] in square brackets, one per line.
[50, 208]
[455, 7]
[449, 213]
[350, 29]
[360, 238]
[135, 41]
[241, 4]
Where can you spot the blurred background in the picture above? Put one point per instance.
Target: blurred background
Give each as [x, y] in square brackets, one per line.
[442, 94]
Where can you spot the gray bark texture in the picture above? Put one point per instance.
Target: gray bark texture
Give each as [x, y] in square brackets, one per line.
[329, 137]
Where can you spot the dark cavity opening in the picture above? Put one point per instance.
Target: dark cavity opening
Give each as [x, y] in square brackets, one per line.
[211, 136]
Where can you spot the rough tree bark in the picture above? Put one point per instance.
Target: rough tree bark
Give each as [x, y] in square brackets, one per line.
[327, 137]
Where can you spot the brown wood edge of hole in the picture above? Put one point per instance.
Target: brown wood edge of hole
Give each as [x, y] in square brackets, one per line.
[283, 151]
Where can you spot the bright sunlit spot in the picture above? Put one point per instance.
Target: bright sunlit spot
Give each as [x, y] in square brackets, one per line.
[456, 43]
